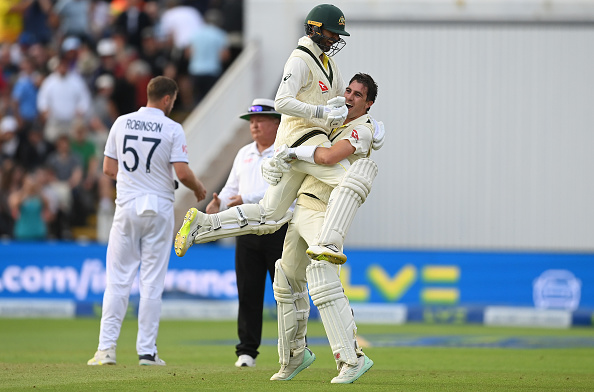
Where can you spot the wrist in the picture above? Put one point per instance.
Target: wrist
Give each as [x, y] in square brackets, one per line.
[305, 153]
[291, 153]
[319, 111]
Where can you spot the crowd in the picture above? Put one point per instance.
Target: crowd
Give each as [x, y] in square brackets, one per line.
[69, 68]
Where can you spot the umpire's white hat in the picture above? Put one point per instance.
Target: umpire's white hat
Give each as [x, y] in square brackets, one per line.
[261, 106]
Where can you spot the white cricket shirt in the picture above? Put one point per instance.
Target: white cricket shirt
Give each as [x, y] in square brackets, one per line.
[298, 77]
[246, 178]
[146, 143]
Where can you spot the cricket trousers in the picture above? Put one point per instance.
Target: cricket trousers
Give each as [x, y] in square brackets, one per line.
[255, 256]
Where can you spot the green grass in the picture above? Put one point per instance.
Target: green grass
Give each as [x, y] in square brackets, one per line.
[47, 354]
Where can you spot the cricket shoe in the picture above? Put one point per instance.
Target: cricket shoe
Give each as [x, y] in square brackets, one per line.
[349, 373]
[150, 360]
[330, 253]
[245, 360]
[296, 365]
[104, 357]
[184, 238]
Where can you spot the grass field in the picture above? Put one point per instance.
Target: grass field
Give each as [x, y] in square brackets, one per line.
[48, 354]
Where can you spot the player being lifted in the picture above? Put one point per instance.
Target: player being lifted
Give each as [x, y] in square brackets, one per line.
[310, 98]
[296, 273]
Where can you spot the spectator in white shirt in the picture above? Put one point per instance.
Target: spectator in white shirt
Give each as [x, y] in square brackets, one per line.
[63, 97]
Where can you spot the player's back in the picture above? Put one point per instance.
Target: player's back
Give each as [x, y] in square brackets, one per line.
[145, 144]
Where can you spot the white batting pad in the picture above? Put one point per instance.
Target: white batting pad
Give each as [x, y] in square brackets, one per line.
[345, 200]
[240, 220]
[292, 323]
[327, 294]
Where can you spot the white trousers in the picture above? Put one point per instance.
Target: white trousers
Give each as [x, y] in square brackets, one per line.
[279, 198]
[137, 244]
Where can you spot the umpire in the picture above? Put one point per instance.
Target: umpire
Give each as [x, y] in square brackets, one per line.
[254, 255]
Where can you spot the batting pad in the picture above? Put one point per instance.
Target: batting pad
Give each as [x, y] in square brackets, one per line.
[345, 200]
[327, 294]
[240, 220]
[292, 323]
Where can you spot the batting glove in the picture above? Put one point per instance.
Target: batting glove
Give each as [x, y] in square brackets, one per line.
[303, 153]
[335, 112]
[273, 169]
[378, 134]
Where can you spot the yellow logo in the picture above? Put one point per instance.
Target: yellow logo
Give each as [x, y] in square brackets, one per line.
[313, 22]
[341, 21]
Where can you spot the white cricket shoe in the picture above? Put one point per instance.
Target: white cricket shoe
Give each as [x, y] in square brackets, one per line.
[150, 360]
[245, 360]
[184, 238]
[329, 253]
[104, 357]
[349, 373]
[296, 365]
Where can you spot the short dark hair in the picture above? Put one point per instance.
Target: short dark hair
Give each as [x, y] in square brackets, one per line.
[367, 81]
[159, 87]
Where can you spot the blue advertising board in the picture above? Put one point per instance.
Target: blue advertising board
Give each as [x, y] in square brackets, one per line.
[416, 279]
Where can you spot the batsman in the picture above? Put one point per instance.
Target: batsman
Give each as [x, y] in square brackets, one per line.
[320, 209]
[311, 100]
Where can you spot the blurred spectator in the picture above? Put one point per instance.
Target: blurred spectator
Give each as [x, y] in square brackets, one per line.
[84, 196]
[29, 210]
[68, 170]
[11, 20]
[85, 149]
[74, 18]
[34, 150]
[69, 50]
[130, 90]
[24, 95]
[201, 5]
[9, 68]
[132, 22]
[39, 56]
[36, 14]
[208, 51]
[63, 97]
[108, 65]
[87, 63]
[8, 138]
[56, 220]
[179, 23]
[69, 62]
[152, 53]
[102, 104]
[100, 19]
[153, 10]
[10, 177]
[233, 25]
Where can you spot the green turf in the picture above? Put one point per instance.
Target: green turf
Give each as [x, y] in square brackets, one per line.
[49, 354]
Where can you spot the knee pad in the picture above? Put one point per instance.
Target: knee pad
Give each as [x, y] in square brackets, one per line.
[327, 294]
[292, 322]
[345, 200]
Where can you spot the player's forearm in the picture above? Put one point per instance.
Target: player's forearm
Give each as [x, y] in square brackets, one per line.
[193, 183]
[293, 107]
[110, 167]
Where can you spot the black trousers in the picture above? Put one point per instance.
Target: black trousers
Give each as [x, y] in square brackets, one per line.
[254, 257]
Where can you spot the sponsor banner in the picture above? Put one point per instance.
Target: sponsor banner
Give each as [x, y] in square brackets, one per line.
[77, 272]
[470, 279]
[434, 286]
